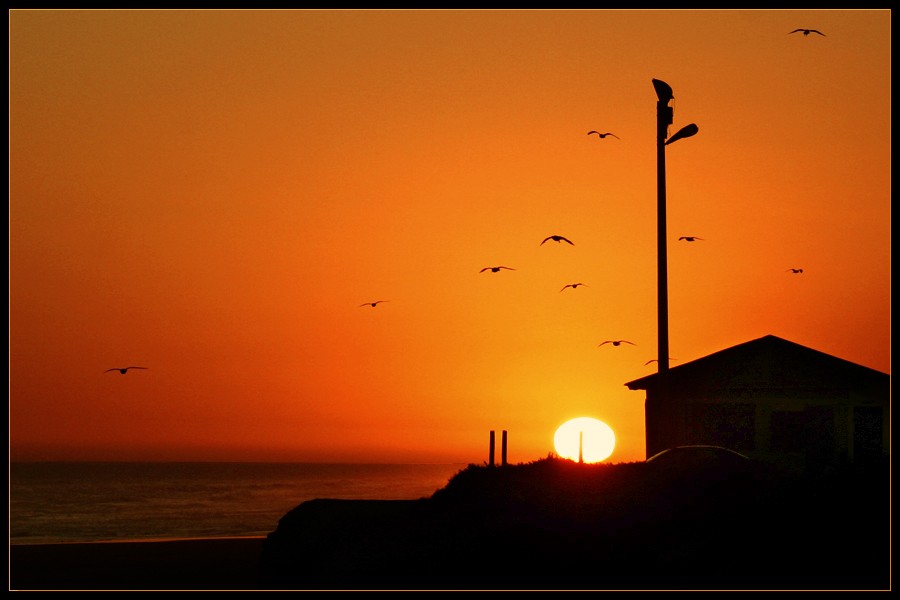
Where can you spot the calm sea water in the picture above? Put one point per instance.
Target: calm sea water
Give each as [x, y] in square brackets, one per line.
[76, 502]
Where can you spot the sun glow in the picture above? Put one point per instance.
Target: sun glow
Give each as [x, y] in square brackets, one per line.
[586, 439]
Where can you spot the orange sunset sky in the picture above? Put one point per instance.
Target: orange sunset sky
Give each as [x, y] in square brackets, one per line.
[212, 194]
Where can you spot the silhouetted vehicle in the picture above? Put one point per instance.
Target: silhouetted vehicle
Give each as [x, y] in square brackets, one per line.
[699, 455]
[715, 474]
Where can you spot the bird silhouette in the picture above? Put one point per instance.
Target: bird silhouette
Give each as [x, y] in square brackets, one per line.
[573, 286]
[495, 269]
[123, 371]
[689, 238]
[653, 360]
[603, 135]
[617, 342]
[374, 304]
[794, 270]
[556, 238]
[806, 31]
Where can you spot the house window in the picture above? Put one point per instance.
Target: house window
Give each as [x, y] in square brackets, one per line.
[809, 431]
[867, 426]
[820, 435]
[722, 424]
[787, 431]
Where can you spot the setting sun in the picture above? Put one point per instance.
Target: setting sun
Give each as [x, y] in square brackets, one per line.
[593, 437]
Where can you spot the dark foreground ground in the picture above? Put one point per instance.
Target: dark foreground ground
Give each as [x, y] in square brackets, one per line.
[555, 524]
[206, 564]
[547, 525]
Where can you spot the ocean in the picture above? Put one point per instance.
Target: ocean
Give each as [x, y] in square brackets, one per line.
[53, 502]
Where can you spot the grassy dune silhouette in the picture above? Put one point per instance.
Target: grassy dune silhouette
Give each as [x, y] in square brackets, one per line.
[558, 524]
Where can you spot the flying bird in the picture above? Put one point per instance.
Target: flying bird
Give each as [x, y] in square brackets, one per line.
[806, 31]
[374, 304]
[556, 238]
[617, 342]
[653, 360]
[123, 371]
[495, 269]
[689, 238]
[573, 286]
[794, 270]
[603, 135]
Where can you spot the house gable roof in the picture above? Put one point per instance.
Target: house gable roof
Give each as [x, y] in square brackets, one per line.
[769, 361]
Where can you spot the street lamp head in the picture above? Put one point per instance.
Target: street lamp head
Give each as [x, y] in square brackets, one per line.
[663, 91]
[686, 131]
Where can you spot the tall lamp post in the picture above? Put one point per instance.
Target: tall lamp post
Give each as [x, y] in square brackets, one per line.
[664, 114]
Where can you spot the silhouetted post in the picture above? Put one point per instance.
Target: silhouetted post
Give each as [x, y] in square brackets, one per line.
[503, 449]
[491, 451]
[664, 118]
[580, 446]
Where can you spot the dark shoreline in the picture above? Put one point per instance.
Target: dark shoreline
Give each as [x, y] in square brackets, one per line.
[183, 564]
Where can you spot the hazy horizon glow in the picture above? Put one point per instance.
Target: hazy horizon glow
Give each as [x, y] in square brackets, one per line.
[213, 194]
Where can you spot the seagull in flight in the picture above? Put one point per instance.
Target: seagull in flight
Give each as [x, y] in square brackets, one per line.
[806, 31]
[374, 304]
[123, 371]
[689, 238]
[495, 269]
[603, 135]
[653, 360]
[573, 286]
[556, 238]
[617, 342]
[794, 270]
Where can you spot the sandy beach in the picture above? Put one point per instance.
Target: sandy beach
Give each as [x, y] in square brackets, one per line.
[193, 564]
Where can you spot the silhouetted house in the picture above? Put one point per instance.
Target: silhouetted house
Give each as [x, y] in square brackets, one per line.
[773, 400]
